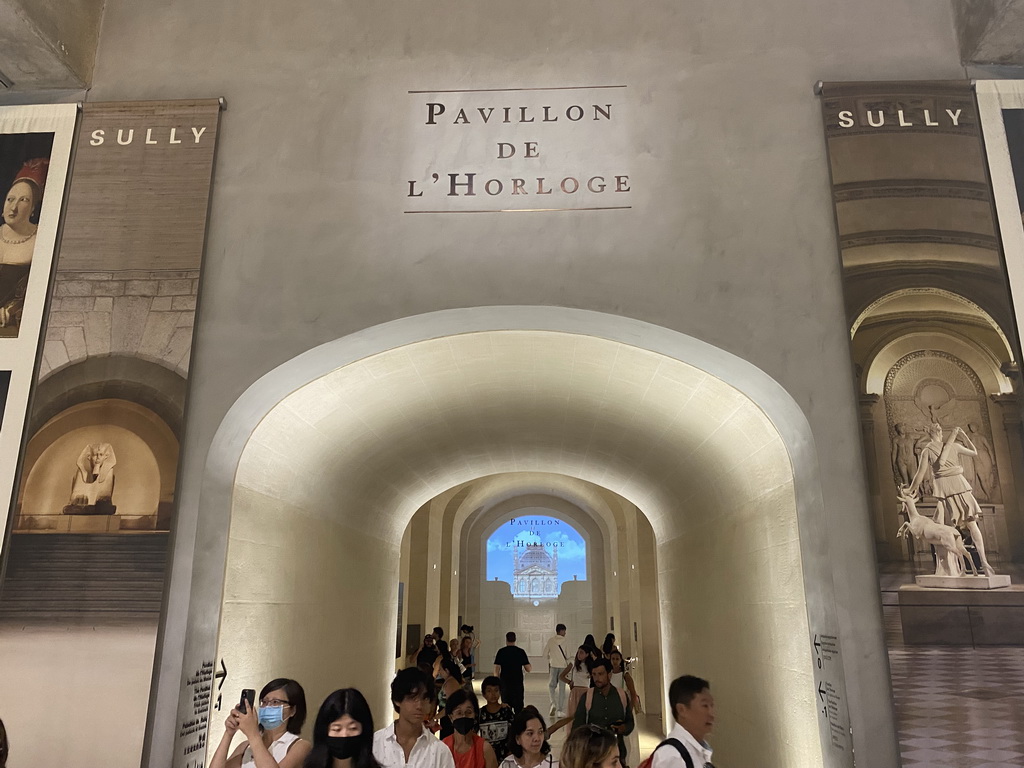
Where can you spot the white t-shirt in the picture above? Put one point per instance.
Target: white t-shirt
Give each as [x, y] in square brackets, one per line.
[427, 752]
[580, 677]
[669, 757]
[555, 652]
[277, 749]
[511, 762]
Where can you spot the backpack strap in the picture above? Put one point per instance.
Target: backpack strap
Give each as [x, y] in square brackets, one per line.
[682, 750]
[622, 698]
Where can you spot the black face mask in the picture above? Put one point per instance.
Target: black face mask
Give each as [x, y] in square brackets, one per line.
[343, 747]
[463, 725]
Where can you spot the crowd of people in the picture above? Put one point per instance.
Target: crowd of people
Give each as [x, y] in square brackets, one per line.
[439, 722]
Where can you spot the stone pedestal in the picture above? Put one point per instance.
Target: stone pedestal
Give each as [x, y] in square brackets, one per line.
[964, 582]
[971, 617]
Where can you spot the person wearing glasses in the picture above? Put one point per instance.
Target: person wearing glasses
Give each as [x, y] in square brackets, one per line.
[271, 731]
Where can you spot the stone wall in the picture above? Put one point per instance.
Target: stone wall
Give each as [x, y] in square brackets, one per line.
[142, 314]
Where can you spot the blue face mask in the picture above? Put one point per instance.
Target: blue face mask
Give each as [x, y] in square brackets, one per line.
[271, 717]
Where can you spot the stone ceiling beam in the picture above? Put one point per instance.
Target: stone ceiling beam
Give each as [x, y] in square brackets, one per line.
[991, 32]
[48, 44]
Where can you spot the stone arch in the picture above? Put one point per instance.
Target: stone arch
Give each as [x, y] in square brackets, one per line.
[716, 454]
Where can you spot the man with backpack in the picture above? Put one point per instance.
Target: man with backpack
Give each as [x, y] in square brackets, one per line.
[694, 713]
[606, 706]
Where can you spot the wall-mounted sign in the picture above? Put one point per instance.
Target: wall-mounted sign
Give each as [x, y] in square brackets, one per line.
[518, 150]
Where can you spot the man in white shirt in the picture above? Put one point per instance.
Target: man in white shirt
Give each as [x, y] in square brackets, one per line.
[407, 741]
[694, 712]
[557, 661]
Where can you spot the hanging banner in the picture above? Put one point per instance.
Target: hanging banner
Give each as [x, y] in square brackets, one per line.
[105, 430]
[934, 341]
[90, 534]
[35, 144]
[1001, 108]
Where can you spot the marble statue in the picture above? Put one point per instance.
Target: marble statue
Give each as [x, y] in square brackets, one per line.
[984, 465]
[950, 552]
[955, 499]
[93, 485]
[904, 459]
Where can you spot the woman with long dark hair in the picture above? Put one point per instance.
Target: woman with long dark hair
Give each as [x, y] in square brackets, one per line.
[343, 733]
[577, 676]
[609, 644]
[467, 659]
[452, 682]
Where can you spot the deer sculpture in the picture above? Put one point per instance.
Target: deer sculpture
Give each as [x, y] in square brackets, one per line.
[949, 544]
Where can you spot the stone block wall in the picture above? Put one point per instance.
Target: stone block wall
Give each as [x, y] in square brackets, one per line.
[144, 314]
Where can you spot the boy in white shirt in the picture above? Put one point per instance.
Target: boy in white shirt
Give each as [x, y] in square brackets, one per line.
[407, 743]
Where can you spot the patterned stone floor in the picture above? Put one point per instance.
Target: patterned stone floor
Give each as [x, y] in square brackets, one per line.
[959, 706]
[956, 707]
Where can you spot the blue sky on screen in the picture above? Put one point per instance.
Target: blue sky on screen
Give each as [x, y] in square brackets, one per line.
[531, 527]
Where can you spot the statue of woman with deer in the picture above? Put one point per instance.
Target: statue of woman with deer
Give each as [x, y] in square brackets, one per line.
[957, 508]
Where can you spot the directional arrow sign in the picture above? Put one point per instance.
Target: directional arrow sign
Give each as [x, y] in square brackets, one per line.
[821, 690]
[222, 675]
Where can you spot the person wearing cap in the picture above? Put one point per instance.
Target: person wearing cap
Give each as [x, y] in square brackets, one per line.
[18, 239]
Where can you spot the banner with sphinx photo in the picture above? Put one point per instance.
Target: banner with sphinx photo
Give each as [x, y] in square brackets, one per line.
[103, 436]
[934, 340]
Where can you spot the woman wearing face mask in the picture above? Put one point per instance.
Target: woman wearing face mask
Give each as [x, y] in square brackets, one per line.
[468, 748]
[591, 746]
[343, 733]
[271, 730]
[528, 743]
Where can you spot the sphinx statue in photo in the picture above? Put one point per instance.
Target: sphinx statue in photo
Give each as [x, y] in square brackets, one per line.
[93, 485]
[956, 514]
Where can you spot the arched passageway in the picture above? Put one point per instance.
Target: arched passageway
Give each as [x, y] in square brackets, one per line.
[320, 466]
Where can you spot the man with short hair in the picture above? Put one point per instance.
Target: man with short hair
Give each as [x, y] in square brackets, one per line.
[694, 713]
[606, 706]
[557, 662]
[407, 743]
[510, 663]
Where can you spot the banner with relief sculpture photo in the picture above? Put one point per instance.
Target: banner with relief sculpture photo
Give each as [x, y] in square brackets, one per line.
[97, 482]
[934, 341]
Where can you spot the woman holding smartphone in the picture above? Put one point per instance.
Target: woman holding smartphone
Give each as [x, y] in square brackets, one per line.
[271, 730]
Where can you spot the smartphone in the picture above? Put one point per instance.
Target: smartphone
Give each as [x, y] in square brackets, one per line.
[248, 699]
